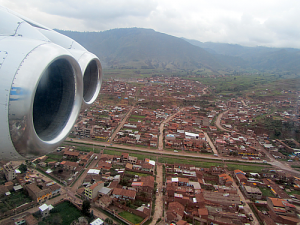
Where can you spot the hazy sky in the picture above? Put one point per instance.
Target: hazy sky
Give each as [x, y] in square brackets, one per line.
[247, 22]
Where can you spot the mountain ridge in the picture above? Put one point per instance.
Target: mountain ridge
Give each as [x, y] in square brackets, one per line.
[146, 48]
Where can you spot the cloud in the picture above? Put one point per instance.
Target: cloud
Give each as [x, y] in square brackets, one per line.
[250, 23]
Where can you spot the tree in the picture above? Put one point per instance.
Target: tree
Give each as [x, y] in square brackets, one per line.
[23, 168]
[86, 205]
[109, 221]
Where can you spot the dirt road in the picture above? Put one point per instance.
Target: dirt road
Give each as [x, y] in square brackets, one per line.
[246, 206]
[83, 175]
[212, 146]
[161, 130]
[159, 196]
[121, 125]
[218, 122]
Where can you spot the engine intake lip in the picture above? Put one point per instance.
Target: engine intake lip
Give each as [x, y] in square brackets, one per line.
[92, 77]
[53, 100]
[45, 100]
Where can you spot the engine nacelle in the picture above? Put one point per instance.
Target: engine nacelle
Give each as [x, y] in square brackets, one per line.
[43, 87]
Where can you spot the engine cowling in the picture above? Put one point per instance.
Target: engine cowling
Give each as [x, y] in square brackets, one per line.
[43, 87]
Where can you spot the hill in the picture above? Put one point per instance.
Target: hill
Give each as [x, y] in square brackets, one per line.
[145, 48]
[139, 48]
[258, 58]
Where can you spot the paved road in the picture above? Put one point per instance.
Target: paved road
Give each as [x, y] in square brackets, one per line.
[121, 125]
[159, 196]
[161, 130]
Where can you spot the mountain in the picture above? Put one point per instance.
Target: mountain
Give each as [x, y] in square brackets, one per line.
[145, 48]
[259, 58]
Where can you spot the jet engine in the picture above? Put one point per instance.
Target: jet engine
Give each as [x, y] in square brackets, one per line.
[46, 79]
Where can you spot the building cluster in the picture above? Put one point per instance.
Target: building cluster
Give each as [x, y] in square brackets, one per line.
[237, 144]
[99, 122]
[183, 131]
[205, 195]
[142, 127]
[208, 195]
[279, 206]
[117, 182]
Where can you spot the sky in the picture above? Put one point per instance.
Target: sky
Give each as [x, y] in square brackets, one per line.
[271, 23]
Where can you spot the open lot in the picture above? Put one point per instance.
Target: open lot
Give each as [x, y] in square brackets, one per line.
[131, 217]
[14, 200]
[63, 213]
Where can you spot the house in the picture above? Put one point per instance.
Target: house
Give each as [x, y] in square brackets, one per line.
[104, 191]
[182, 222]
[281, 207]
[147, 167]
[104, 166]
[68, 165]
[25, 219]
[124, 157]
[71, 154]
[252, 192]
[132, 159]
[175, 211]
[124, 194]
[145, 184]
[225, 179]
[97, 221]
[104, 201]
[216, 170]
[9, 172]
[45, 210]
[38, 194]
[92, 191]
[203, 213]
[86, 158]
[55, 189]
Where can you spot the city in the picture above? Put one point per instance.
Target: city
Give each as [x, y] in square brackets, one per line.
[164, 150]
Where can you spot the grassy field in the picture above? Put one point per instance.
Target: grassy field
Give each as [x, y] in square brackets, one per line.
[246, 168]
[64, 213]
[53, 157]
[135, 173]
[294, 192]
[250, 167]
[131, 217]
[14, 200]
[190, 162]
[139, 156]
[266, 192]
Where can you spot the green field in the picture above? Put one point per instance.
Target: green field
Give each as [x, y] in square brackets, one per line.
[135, 173]
[14, 200]
[246, 168]
[131, 217]
[64, 213]
[53, 157]
[266, 192]
[197, 163]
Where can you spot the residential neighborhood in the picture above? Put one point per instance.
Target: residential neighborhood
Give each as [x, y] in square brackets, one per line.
[149, 151]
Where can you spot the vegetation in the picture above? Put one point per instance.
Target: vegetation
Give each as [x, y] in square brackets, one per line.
[14, 200]
[131, 217]
[86, 205]
[23, 168]
[63, 213]
[266, 192]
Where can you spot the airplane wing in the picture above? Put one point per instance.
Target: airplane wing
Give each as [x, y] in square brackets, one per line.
[46, 79]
